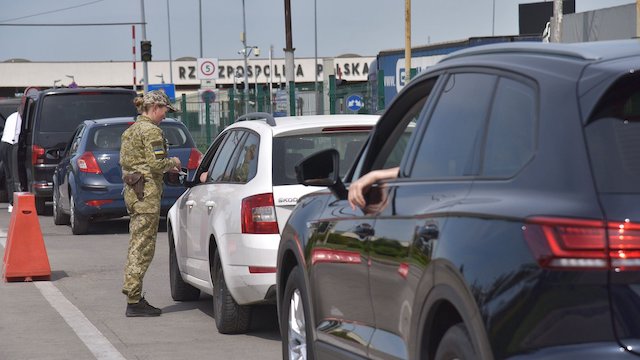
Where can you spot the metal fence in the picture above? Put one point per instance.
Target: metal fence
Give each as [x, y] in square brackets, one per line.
[205, 120]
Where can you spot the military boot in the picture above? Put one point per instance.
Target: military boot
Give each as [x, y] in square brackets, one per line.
[142, 309]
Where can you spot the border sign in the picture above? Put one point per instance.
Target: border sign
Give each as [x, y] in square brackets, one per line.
[355, 102]
[168, 89]
[207, 69]
[208, 96]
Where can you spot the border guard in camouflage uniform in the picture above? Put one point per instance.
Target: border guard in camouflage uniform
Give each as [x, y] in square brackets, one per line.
[143, 158]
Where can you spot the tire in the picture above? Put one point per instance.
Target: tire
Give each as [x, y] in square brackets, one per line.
[295, 326]
[180, 290]
[456, 344]
[40, 205]
[59, 218]
[79, 224]
[231, 318]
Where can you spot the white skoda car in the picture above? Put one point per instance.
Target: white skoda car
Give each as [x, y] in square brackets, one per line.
[224, 232]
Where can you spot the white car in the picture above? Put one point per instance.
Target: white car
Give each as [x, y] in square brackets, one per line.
[224, 233]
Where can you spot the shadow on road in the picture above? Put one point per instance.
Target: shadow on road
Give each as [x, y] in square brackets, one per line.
[264, 318]
[58, 274]
[118, 226]
[203, 305]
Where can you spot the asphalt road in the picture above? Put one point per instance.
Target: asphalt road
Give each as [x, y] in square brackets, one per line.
[79, 314]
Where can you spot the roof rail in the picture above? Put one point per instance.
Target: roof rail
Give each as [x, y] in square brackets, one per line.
[524, 48]
[258, 116]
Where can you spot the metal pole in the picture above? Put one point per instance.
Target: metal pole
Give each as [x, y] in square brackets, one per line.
[200, 13]
[207, 117]
[133, 37]
[407, 41]
[145, 68]
[315, 70]
[170, 61]
[638, 18]
[271, 78]
[246, 65]
[493, 20]
[288, 55]
[557, 21]
[255, 90]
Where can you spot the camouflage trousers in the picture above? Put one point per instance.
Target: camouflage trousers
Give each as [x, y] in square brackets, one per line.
[143, 229]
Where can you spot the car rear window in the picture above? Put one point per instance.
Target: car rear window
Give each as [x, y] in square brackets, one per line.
[289, 150]
[63, 112]
[612, 138]
[108, 137]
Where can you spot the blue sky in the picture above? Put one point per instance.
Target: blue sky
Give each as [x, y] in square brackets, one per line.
[362, 27]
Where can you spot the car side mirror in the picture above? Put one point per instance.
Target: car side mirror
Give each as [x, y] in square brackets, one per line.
[322, 169]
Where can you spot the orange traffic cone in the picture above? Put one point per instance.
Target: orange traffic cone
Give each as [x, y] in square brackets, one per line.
[25, 257]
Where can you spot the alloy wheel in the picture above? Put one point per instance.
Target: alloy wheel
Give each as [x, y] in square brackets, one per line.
[72, 210]
[297, 328]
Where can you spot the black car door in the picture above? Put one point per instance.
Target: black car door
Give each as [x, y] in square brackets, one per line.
[339, 277]
[340, 247]
[436, 173]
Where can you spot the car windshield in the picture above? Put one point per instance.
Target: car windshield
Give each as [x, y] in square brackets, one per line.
[612, 138]
[289, 150]
[108, 137]
[63, 112]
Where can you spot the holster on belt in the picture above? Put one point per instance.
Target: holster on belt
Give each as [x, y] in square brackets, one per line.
[136, 181]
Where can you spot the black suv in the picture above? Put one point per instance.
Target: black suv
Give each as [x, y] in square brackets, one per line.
[512, 230]
[49, 120]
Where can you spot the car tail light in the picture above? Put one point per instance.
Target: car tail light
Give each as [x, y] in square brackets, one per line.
[259, 215]
[564, 243]
[37, 154]
[194, 159]
[87, 163]
[97, 203]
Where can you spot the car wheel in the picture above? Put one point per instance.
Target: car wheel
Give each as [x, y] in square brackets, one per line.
[294, 319]
[180, 290]
[456, 344]
[231, 318]
[40, 205]
[79, 224]
[59, 218]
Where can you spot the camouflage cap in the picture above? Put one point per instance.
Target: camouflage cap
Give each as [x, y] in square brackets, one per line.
[158, 97]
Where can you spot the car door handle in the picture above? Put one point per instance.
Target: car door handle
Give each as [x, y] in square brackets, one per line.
[428, 232]
[190, 203]
[210, 204]
[364, 230]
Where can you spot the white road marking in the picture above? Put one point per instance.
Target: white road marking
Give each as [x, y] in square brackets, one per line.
[97, 343]
[93, 339]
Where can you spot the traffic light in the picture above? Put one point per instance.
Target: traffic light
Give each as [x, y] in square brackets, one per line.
[145, 50]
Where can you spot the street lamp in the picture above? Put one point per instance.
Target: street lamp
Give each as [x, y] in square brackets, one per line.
[73, 84]
[161, 76]
[246, 52]
[55, 83]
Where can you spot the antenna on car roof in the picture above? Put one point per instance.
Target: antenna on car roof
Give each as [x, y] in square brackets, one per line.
[258, 116]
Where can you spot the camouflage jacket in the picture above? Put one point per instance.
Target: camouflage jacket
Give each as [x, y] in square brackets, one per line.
[144, 150]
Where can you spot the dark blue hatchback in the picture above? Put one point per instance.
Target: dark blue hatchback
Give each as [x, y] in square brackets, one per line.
[87, 184]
